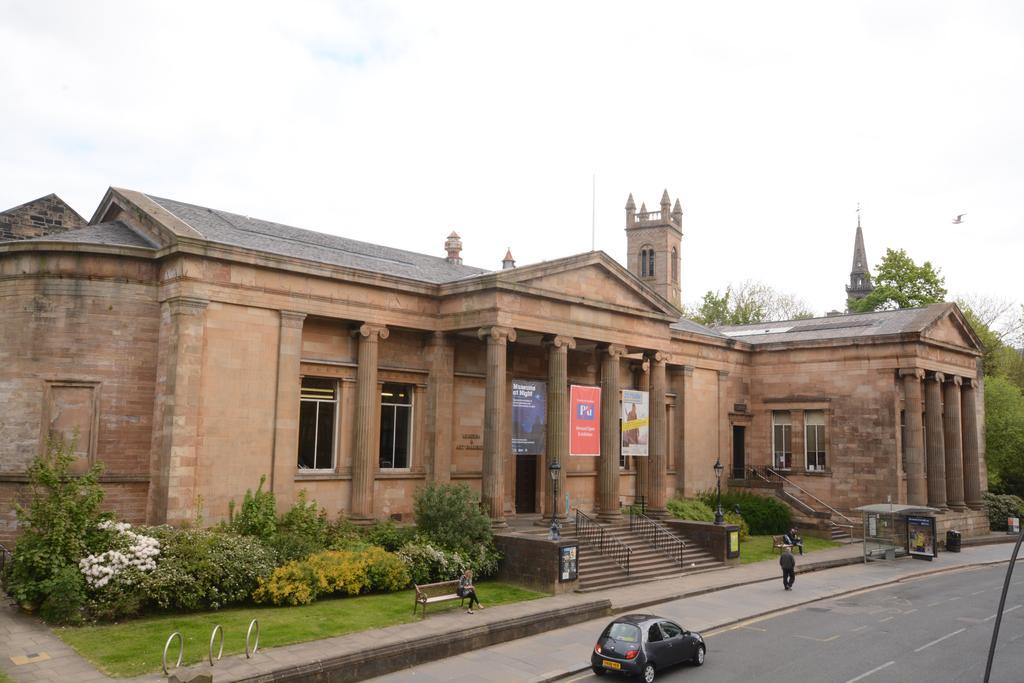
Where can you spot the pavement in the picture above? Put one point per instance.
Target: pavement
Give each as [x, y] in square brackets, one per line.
[31, 653]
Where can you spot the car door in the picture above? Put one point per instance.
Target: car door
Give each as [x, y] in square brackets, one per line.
[675, 644]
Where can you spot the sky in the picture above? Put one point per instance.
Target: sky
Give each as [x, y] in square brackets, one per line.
[526, 125]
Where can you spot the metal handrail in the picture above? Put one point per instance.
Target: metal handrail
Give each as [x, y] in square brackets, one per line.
[809, 495]
[589, 531]
[658, 536]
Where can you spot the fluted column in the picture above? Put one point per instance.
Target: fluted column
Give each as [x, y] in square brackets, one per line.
[558, 420]
[953, 439]
[366, 451]
[608, 481]
[492, 486]
[657, 461]
[972, 458]
[286, 409]
[936, 452]
[913, 448]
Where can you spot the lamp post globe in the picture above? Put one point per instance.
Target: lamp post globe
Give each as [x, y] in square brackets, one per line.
[719, 517]
[554, 469]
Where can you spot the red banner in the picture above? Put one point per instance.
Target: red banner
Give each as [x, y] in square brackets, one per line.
[584, 420]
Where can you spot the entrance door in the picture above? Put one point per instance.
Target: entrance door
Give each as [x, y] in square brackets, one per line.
[738, 451]
[526, 483]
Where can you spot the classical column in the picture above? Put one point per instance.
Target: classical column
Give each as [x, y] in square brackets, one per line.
[173, 491]
[440, 396]
[558, 420]
[492, 486]
[366, 450]
[972, 459]
[642, 382]
[611, 439]
[286, 408]
[684, 425]
[657, 461]
[953, 438]
[936, 451]
[913, 448]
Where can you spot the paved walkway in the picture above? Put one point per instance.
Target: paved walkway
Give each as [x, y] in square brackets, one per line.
[31, 653]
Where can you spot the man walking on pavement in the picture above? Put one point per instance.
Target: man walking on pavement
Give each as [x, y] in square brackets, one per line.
[788, 564]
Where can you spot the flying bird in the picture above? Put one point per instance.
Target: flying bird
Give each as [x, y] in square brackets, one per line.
[959, 218]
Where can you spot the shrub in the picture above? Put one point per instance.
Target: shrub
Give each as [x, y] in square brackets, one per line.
[203, 569]
[58, 527]
[450, 516]
[258, 514]
[428, 563]
[386, 571]
[389, 536]
[763, 515]
[999, 507]
[301, 531]
[347, 572]
[698, 511]
[66, 599]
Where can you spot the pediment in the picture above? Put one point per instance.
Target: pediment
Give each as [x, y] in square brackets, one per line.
[595, 278]
[953, 329]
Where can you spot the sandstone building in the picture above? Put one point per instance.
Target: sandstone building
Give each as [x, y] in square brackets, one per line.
[195, 350]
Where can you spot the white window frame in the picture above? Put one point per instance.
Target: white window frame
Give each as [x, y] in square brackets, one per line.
[820, 453]
[411, 405]
[782, 459]
[316, 429]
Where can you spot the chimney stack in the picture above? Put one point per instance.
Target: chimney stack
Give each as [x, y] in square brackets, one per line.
[453, 245]
[508, 261]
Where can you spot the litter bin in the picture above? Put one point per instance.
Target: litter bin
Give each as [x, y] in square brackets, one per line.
[952, 541]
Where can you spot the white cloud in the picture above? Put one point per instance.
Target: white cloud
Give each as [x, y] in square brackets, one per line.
[397, 122]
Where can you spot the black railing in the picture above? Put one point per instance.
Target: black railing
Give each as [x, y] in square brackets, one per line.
[5, 557]
[660, 538]
[592, 533]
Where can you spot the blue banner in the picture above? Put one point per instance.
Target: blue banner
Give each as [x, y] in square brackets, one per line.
[529, 416]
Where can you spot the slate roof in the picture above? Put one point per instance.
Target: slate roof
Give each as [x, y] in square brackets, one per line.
[114, 233]
[836, 327]
[687, 325]
[284, 240]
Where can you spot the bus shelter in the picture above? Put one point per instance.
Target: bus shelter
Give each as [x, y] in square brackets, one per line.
[885, 529]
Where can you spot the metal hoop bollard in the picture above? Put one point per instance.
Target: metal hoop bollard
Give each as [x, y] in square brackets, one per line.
[212, 636]
[181, 650]
[248, 634]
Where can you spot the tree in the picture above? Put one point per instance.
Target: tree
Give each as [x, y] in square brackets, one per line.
[748, 302]
[999, 325]
[1004, 435]
[901, 283]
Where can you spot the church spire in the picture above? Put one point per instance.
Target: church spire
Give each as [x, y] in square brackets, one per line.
[860, 278]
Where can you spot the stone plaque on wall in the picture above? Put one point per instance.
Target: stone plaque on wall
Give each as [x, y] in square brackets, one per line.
[71, 416]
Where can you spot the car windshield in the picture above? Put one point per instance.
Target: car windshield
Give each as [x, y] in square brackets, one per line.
[627, 633]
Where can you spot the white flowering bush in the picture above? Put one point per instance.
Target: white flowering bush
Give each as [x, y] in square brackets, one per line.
[136, 554]
[427, 563]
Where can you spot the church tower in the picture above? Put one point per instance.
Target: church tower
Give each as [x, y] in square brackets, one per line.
[653, 242]
[860, 279]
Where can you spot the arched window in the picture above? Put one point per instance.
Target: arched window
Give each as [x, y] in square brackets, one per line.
[675, 265]
[646, 261]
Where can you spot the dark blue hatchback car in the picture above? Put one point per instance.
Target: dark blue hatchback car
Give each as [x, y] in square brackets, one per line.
[641, 644]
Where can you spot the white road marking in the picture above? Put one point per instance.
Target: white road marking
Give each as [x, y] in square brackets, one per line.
[977, 592]
[934, 604]
[952, 599]
[910, 611]
[935, 642]
[754, 628]
[859, 628]
[818, 640]
[868, 673]
[882, 621]
[1005, 611]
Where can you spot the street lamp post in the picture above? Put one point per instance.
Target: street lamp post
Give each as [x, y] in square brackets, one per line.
[553, 469]
[719, 517]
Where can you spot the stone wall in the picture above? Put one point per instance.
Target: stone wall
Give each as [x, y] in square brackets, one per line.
[532, 562]
[47, 215]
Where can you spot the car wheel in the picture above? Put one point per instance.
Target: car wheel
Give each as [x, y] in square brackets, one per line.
[699, 659]
[648, 673]
[598, 670]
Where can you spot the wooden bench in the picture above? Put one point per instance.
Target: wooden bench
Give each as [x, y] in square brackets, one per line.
[430, 593]
[779, 544]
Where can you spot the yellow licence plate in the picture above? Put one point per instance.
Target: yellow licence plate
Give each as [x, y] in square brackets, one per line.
[610, 665]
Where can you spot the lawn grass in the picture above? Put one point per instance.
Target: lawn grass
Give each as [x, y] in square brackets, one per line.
[758, 548]
[4, 678]
[135, 647]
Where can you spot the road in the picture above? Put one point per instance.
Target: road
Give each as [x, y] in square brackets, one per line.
[935, 628]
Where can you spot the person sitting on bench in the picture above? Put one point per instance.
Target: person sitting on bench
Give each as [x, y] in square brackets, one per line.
[466, 590]
[793, 538]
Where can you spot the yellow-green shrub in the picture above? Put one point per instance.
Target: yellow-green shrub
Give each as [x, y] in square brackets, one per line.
[347, 572]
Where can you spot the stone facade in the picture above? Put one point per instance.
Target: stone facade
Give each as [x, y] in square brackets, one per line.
[194, 367]
[47, 215]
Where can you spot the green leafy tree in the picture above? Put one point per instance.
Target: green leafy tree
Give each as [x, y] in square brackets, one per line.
[58, 527]
[1004, 435]
[901, 283]
[748, 302]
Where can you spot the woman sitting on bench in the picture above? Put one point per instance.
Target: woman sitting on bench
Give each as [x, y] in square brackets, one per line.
[466, 590]
[793, 539]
